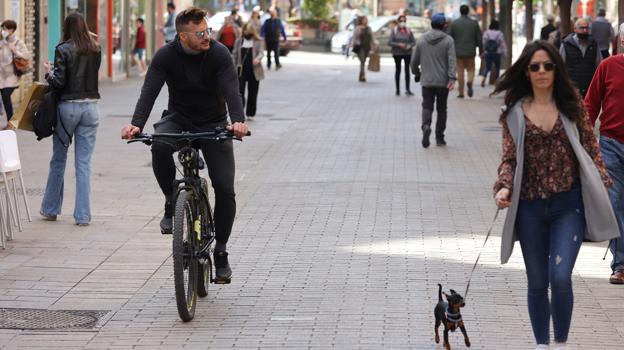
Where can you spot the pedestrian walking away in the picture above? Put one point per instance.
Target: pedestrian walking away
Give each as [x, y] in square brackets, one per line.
[556, 198]
[435, 53]
[169, 30]
[10, 48]
[581, 55]
[467, 35]
[362, 43]
[203, 89]
[495, 49]
[402, 42]
[605, 101]
[602, 31]
[75, 78]
[247, 55]
[272, 31]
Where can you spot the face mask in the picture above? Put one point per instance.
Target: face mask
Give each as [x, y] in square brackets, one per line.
[582, 36]
[5, 34]
[401, 24]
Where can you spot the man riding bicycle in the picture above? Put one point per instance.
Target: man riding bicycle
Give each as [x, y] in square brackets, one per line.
[201, 79]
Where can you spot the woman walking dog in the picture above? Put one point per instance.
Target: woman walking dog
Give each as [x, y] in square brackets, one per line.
[553, 180]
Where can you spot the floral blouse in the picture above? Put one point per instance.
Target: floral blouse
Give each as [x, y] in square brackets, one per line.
[550, 165]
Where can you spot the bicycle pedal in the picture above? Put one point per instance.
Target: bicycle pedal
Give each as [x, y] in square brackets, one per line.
[221, 280]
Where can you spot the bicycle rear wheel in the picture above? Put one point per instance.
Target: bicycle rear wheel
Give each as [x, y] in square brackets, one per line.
[207, 230]
[185, 262]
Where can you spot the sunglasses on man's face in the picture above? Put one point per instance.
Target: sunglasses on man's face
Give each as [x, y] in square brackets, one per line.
[203, 34]
[535, 67]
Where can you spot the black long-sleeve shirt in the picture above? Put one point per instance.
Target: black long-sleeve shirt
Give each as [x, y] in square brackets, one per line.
[200, 85]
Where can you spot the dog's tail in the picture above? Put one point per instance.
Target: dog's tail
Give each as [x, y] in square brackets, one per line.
[439, 292]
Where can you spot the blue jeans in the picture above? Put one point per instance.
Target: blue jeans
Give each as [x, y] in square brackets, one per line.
[81, 120]
[551, 232]
[494, 58]
[613, 155]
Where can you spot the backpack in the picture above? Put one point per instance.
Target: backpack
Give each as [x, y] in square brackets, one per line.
[491, 46]
[46, 117]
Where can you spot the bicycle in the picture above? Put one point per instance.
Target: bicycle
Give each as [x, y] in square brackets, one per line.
[193, 224]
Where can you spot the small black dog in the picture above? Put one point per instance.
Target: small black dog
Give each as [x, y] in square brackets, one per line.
[449, 315]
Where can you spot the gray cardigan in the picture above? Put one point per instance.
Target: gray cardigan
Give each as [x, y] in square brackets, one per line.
[601, 222]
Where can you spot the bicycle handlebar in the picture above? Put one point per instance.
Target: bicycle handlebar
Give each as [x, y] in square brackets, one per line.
[209, 135]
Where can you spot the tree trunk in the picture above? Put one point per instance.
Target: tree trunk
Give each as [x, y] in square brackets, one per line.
[484, 15]
[565, 8]
[506, 19]
[529, 20]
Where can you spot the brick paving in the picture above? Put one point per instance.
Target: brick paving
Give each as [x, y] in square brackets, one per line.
[345, 226]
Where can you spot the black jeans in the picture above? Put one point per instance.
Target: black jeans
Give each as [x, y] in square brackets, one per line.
[6, 101]
[219, 159]
[397, 71]
[252, 93]
[439, 95]
[275, 47]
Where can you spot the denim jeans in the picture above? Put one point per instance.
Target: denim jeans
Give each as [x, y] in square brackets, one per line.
[439, 96]
[81, 120]
[551, 232]
[492, 58]
[613, 155]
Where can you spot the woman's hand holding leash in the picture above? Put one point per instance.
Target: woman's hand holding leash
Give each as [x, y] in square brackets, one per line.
[502, 198]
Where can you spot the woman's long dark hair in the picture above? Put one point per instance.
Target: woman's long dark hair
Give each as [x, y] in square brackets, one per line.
[75, 29]
[517, 85]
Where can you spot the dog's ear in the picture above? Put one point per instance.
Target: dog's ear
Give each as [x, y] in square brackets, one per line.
[446, 295]
[453, 291]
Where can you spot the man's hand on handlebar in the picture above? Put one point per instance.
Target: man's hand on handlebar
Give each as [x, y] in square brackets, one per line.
[239, 130]
[129, 131]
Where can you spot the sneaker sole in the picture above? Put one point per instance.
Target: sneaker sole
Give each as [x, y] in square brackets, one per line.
[222, 280]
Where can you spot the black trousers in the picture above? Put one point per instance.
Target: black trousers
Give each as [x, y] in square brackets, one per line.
[275, 47]
[219, 159]
[253, 86]
[439, 96]
[6, 101]
[397, 71]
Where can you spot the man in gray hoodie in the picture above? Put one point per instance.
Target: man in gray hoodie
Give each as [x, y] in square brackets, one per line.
[435, 52]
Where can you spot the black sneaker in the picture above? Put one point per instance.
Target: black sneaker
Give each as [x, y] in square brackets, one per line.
[398, 93]
[166, 223]
[460, 96]
[426, 134]
[440, 141]
[409, 93]
[470, 91]
[222, 267]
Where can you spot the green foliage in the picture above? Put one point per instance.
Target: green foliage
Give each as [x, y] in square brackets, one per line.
[318, 9]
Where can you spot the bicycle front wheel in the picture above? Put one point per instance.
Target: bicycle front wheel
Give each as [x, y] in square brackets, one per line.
[185, 262]
[205, 214]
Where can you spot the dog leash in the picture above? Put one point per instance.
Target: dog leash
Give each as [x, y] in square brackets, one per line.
[481, 251]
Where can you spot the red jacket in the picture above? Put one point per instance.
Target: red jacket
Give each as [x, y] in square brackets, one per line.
[140, 38]
[606, 92]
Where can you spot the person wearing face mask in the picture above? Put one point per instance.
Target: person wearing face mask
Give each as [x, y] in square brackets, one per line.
[402, 41]
[10, 47]
[247, 55]
[581, 55]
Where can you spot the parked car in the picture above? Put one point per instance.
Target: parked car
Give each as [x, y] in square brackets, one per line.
[216, 21]
[381, 27]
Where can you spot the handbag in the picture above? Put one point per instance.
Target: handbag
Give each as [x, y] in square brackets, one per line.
[374, 62]
[21, 65]
[239, 68]
[356, 48]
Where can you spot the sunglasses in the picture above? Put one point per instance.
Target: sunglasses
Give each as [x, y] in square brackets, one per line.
[201, 35]
[535, 67]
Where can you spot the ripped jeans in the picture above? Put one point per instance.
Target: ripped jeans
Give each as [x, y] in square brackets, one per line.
[551, 232]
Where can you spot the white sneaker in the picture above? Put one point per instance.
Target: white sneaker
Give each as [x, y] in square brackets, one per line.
[542, 347]
[561, 346]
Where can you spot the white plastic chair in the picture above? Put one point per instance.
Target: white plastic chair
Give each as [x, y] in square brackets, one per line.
[10, 168]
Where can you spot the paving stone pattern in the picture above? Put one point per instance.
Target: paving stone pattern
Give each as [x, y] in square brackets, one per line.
[345, 226]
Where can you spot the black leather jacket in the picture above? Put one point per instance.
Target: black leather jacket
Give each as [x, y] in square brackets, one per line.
[75, 76]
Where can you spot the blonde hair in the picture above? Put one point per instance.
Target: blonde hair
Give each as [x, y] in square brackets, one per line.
[250, 28]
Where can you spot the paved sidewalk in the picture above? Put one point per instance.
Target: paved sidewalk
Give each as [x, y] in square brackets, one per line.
[345, 226]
